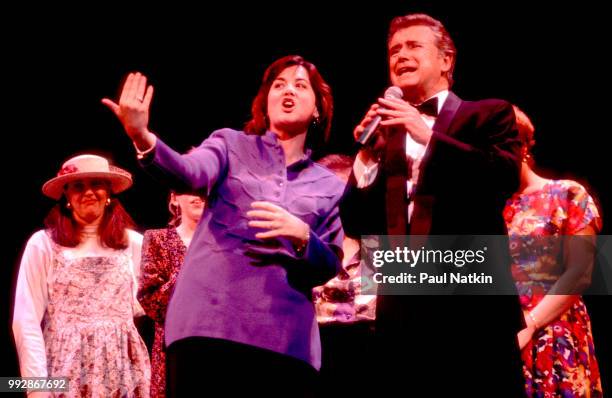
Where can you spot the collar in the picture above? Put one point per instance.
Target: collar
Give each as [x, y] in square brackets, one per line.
[442, 96]
[271, 138]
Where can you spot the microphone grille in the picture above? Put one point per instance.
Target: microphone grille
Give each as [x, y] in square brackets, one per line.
[394, 92]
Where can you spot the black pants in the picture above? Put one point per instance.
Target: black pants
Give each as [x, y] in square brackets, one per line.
[348, 363]
[448, 346]
[201, 366]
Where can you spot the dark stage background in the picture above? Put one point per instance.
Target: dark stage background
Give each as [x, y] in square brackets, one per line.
[206, 64]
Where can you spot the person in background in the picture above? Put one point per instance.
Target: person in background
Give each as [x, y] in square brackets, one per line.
[75, 300]
[345, 315]
[552, 226]
[163, 252]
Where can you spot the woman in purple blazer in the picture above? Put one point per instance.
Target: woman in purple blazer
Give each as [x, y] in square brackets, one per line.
[242, 307]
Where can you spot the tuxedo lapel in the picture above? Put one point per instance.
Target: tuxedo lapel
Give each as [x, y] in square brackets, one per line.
[397, 173]
[442, 124]
[423, 204]
[447, 113]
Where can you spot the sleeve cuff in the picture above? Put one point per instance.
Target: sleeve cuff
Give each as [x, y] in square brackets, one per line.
[365, 173]
[301, 249]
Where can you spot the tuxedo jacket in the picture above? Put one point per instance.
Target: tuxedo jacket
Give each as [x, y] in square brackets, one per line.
[469, 169]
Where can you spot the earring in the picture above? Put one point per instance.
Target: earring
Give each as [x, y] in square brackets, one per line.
[316, 119]
[526, 154]
[108, 201]
[68, 206]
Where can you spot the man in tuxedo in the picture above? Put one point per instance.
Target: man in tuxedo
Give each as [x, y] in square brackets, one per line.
[438, 165]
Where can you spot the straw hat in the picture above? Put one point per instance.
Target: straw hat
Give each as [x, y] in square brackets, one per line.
[87, 166]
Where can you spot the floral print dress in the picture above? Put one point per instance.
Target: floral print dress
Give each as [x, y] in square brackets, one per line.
[163, 252]
[560, 359]
[89, 331]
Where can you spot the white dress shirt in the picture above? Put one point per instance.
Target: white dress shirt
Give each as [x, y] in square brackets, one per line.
[365, 173]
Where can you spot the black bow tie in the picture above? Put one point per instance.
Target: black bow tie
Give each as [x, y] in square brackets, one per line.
[429, 107]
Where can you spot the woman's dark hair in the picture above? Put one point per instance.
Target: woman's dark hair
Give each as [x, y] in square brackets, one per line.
[259, 122]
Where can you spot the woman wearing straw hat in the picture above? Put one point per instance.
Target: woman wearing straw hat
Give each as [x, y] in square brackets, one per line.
[78, 276]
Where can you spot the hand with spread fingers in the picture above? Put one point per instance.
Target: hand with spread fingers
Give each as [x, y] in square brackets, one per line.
[278, 222]
[133, 109]
[397, 112]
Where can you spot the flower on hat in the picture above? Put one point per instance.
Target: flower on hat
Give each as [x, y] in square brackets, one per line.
[87, 166]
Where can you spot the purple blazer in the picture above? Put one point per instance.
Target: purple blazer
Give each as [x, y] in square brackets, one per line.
[232, 285]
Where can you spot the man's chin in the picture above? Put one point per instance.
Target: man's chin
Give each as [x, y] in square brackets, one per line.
[406, 82]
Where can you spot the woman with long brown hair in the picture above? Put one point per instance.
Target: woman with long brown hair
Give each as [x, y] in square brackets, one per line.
[78, 279]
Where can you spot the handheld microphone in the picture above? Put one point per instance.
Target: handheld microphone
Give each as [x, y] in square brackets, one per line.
[368, 132]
